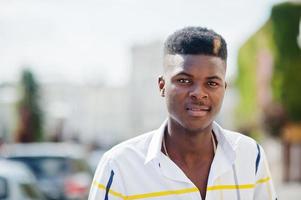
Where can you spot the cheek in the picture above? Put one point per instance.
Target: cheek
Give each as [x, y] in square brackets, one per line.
[175, 92]
[218, 97]
[174, 96]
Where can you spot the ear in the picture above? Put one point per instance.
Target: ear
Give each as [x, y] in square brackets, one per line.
[161, 84]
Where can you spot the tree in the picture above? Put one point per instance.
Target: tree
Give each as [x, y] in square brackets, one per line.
[286, 81]
[30, 116]
[278, 36]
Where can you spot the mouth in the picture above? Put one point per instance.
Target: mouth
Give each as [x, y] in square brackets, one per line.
[198, 111]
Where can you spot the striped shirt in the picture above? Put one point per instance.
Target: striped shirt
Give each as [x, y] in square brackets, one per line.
[137, 169]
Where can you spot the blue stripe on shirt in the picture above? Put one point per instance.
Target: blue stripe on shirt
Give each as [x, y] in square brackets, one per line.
[257, 159]
[109, 185]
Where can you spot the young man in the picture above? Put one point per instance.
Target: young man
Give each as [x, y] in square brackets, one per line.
[190, 156]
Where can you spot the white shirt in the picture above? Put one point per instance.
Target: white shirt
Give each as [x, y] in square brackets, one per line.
[137, 169]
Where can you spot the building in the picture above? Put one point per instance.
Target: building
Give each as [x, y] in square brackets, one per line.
[146, 105]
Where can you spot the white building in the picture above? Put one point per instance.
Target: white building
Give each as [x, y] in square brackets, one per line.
[147, 107]
[89, 113]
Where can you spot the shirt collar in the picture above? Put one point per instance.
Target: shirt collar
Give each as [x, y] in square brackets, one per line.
[155, 145]
[227, 145]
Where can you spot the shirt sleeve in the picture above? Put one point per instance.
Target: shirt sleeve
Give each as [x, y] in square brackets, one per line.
[107, 183]
[264, 187]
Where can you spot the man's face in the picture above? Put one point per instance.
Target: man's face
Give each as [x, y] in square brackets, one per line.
[194, 87]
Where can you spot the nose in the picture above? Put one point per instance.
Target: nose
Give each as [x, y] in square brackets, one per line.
[198, 93]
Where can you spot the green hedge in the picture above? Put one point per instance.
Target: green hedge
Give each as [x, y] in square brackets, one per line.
[248, 111]
[287, 70]
[279, 37]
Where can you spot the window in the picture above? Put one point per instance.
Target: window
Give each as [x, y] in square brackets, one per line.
[3, 188]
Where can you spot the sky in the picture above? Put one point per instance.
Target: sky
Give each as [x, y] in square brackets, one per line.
[89, 41]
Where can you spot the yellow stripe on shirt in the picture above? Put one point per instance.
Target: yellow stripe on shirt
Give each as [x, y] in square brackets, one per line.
[230, 187]
[181, 191]
[163, 193]
[112, 192]
[263, 180]
[233, 187]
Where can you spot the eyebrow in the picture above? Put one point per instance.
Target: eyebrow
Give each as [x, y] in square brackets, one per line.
[214, 77]
[189, 75]
[184, 74]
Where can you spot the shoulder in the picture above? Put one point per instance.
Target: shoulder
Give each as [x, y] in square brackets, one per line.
[233, 138]
[238, 138]
[247, 151]
[130, 147]
[242, 144]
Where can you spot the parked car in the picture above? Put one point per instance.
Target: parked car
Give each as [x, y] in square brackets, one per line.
[60, 168]
[17, 182]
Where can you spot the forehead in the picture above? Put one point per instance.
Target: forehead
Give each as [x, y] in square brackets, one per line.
[194, 64]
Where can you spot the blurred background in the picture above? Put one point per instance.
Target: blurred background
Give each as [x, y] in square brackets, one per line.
[77, 77]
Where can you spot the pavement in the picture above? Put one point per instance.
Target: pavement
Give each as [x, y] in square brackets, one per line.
[273, 150]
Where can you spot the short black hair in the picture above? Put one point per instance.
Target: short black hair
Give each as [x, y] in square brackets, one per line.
[196, 40]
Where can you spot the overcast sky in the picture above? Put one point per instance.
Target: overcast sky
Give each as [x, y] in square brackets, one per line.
[88, 41]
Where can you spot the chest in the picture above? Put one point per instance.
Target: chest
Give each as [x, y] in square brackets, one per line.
[198, 174]
[165, 180]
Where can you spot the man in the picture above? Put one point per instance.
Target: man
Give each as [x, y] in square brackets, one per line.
[190, 156]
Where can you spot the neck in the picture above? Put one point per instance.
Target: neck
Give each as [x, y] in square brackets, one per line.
[188, 145]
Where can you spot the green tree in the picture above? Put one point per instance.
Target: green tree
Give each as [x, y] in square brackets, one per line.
[30, 116]
[286, 81]
[278, 36]
[250, 110]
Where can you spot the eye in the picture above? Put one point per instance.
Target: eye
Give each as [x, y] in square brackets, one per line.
[212, 84]
[184, 81]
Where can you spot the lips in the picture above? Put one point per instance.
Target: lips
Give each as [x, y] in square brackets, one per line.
[198, 111]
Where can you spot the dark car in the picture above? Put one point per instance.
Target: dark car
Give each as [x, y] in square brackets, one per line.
[60, 168]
